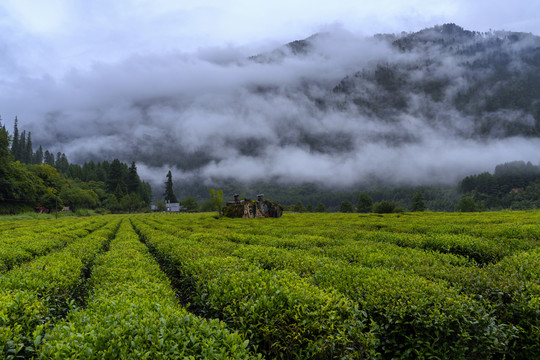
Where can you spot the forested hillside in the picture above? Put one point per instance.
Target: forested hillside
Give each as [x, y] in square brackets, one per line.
[36, 180]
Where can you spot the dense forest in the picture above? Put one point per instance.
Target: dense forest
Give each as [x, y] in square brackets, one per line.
[40, 181]
[514, 185]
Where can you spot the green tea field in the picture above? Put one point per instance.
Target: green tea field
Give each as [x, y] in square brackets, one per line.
[304, 286]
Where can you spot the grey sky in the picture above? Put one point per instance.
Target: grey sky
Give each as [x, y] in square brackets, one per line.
[55, 35]
[87, 76]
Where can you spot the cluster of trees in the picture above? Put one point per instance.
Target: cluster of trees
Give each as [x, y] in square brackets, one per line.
[514, 185]
[365, 204]
[30, 179]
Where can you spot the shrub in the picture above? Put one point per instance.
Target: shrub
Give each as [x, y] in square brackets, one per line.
[384, 207]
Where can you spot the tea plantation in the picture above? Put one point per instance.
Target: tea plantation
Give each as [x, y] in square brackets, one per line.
[304, 286]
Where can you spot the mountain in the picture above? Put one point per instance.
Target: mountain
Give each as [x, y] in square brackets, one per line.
[334, 109]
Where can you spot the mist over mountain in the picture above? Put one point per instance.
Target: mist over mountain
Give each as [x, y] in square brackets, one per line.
[335, 109]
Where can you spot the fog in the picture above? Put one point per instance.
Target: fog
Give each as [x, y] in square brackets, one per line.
[266, 111]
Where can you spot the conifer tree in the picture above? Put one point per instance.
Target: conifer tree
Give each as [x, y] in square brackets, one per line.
[169, 193]
[133, 181]
[320, 207]
[38, 156]
[418, 202]
[15, 142]
[48, 158]
[28, 151]
[21, 149]
[365, 203]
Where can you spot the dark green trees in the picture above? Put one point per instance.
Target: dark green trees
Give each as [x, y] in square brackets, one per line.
[169, 193]
[346, 207]
[320, 207]
[365, 203]
[418, 202]
[299, 207]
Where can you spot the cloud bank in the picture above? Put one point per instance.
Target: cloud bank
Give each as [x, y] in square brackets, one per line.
[223, 112]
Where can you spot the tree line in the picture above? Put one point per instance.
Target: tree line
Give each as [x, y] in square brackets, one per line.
[514, 185]
[42, 181]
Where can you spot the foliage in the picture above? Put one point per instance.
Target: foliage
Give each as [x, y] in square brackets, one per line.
[299, 207]
[467, 204]
[384, 207]
[38, 179]
[418, 202]
[365, 203]
[346, 207]
[512, 185]
[168, 195]
[133, 313]
[320, 207]
[190, 204]
[416, 285]
[216, 196]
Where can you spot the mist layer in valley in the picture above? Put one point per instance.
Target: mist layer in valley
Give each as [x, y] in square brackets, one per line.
[335, 109]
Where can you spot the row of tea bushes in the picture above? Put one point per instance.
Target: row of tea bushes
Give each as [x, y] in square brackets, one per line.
[513, 286]
[132, 313]
[278, 311]
[23, 244]
[504, 285]
[37, 293]
[481, 250]
[495, 237]
[411, 312]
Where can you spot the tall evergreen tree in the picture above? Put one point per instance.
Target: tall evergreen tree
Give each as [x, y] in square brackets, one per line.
[346, 207]
[28, 151]
[4, 145]
[48, 158]
[365, 203]
[133, 181]
[115, 176]
[320, 207]
[169, 193]
[38, 156]
[5, 157]
[21, 150]
[418, 202]
[15, 142]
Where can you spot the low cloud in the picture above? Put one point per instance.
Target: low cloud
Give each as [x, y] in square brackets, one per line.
[218, 114]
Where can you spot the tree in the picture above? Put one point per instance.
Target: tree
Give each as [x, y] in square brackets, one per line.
[418, 202]
[169, 193]
[346, 207]
[320, 207]
[115, 177]
[384, 207]
[4, 145]
[38, 156]
[130, 202]
[15, 143]
[467, 204]
[48, 158]
[217, 199]
[5, 168]
[133, 181]
[190, 204]
[21, 151]
[365, 203]
[299, 207]
[28, 151]
[309, 208]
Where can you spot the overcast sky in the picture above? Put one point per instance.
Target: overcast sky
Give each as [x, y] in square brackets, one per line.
[70, 66]
[49, 37]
